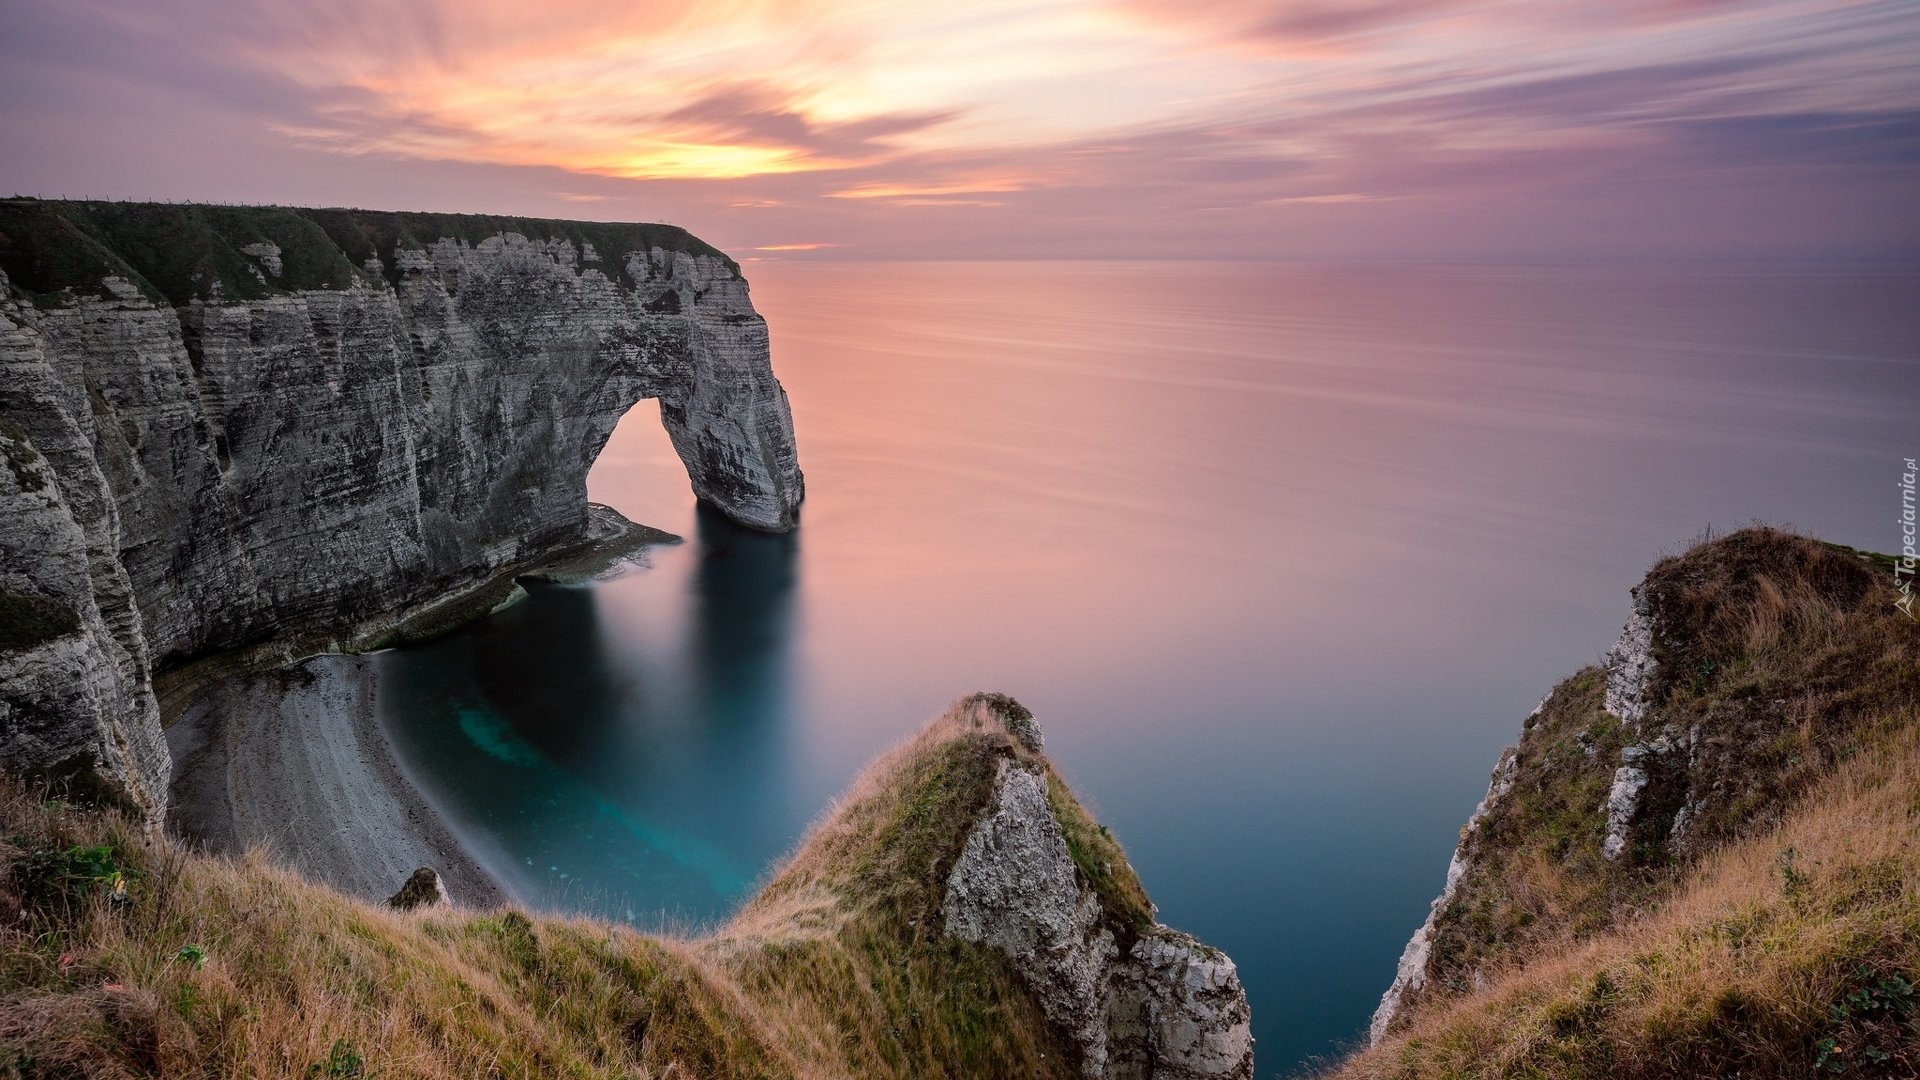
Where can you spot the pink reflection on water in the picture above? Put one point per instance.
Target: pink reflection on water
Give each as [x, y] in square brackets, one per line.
[1286, 546]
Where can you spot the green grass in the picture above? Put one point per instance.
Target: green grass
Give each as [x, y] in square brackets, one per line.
[1101, 862]
[1790, 953]
[176, 253]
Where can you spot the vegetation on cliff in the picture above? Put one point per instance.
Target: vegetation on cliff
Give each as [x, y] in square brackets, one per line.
[175, 253]
[132, 957]
[1763, 916]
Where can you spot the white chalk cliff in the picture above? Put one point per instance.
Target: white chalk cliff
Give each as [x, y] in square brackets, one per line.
[224, 425]
[1161, 1006]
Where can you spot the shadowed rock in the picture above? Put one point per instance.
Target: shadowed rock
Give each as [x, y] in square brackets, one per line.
[423, 889]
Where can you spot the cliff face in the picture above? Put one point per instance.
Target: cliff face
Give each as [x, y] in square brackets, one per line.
[232, 424]
[1753, 671]
[1001, 909]
[1135, 999]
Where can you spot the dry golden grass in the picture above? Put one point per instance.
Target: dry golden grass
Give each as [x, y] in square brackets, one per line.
[209, 967]
[298, 981]
[1794, 688]
[1738, 974]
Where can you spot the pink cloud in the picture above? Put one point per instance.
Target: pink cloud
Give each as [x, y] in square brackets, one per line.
[1234, 127]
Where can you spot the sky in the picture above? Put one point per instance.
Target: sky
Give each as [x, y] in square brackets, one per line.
[1365, 130]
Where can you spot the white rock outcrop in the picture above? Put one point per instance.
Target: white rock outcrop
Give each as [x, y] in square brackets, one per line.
[75, 699]
[267, 255]
[1623, 805]
[1015, 888]
[1176, 1011]
[1630, 664]
[1169, 1007]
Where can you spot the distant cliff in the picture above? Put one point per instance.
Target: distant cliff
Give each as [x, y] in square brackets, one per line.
[1702, 857]
[223, 425]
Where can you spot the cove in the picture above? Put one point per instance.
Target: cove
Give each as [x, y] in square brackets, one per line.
[1280, 556]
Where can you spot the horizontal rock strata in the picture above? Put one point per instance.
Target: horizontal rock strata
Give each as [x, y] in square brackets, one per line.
[224, 425]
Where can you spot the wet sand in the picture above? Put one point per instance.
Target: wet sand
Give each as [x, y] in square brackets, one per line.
[293, 761]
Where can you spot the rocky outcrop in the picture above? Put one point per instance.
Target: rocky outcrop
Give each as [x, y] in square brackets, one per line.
[1631, 671]
[1630, 663]
[75, 700]
[238, 424]
[1748, 668]
[422, 888]
[1410, 977]
[1626, 694]
[1164, 1005]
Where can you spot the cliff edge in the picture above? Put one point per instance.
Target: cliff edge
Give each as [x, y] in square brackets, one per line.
[1702, 858]
[229, 425]
[957, 913]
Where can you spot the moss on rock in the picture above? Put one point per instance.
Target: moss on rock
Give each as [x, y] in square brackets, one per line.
[29, 621]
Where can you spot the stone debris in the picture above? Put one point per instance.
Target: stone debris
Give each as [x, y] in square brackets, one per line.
[423, 889]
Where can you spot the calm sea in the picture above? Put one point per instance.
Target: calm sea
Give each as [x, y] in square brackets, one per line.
[1279, 555]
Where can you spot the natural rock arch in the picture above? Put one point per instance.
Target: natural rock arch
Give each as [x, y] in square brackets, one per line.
[255, 423]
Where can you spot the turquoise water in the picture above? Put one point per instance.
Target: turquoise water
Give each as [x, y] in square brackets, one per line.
[1280, 557]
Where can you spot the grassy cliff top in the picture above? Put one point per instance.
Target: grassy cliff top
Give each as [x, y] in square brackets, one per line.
[1764, 918]
[177, 252]
[134, 957]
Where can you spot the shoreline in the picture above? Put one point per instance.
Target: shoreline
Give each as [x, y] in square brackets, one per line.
[279, 746]
[293, 761]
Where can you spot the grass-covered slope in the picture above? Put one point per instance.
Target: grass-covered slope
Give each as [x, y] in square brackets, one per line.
[1764, 918]
[131, 957]
[176, 253]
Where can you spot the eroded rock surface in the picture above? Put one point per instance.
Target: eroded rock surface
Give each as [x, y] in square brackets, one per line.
[1166, 1006]
[1630, 663]
[229, 459]
[1176, 1011]
[1411, 974]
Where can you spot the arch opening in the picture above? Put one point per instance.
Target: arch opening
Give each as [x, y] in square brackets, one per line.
[638, 472]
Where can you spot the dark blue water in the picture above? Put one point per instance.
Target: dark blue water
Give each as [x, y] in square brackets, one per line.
[1280, 556]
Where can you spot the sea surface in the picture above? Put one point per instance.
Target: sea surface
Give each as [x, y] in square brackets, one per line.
[1279, 555]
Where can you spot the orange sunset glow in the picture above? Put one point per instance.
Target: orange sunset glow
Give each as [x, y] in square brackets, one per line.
[990, 540]
[1399, 128]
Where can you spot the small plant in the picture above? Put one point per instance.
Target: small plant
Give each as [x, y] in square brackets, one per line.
[192, 954]
[1793, 880]
[1871, 1012]
[48, 873]
[342, 1061]
[1827, 1058]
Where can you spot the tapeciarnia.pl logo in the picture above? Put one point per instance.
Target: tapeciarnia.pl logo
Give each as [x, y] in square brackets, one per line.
[1903, 567]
